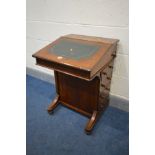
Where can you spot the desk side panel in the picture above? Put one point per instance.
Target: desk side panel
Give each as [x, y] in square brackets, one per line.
[104, 60]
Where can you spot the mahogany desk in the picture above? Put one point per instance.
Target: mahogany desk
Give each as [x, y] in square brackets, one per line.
[83, 70]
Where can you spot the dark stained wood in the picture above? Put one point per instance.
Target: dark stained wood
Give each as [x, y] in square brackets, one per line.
[92, 122]
[82, 85]
[54, 104]
[79, 93]
[85, 68]
[64, 68]
[76, 109]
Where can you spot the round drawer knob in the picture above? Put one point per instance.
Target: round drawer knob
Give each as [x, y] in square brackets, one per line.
[111, 67]
[104, 73]
[108, 78]
[103, 85]
[113, 55]
[107, 89]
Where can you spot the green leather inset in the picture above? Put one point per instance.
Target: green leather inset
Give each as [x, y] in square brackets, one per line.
[73, 50]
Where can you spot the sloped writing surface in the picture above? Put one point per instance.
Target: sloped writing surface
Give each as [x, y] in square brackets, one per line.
[74, 50]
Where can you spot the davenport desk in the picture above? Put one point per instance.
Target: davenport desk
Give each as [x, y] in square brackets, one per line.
[83, 70]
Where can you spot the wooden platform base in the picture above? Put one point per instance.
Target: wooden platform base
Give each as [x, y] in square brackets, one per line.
[93, 118]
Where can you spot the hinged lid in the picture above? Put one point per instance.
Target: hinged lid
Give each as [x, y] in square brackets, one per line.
[78, 52]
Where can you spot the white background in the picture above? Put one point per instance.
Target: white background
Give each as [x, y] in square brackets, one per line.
[13, 80]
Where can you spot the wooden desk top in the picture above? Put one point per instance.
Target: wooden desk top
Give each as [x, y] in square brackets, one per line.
[77, 52]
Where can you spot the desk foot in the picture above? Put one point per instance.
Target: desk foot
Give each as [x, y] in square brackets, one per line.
[53, 105]
[91, 122]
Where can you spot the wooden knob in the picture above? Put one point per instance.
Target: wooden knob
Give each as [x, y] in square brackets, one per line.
[103, 85]
[111, 67]
[113, 55]
[108, 78]
[107, 89]
[104, 73]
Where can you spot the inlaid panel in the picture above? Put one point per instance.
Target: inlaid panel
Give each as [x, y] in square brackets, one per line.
[68, 48]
